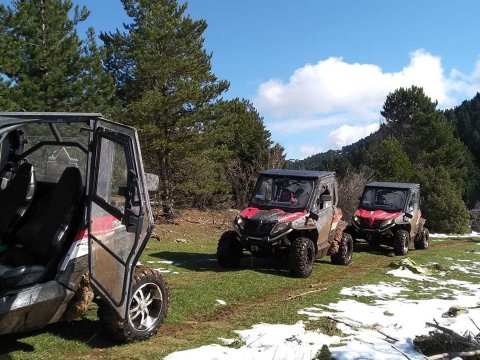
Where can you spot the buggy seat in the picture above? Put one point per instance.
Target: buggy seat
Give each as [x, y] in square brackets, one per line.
[15, 199]
[40, 241]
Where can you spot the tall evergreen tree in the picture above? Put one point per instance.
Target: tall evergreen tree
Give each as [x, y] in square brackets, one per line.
[442, 203]
[424, 133]
[164, 81]
[44, 65]
[429, 141]
[391, 163]
[237, 131]
[238, 127]
[466, 121]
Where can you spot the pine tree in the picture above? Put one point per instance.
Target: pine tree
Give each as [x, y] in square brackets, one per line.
[44, 65]
[165, 83]
[466, 121]
[391, 163]
[442, 204]
[439, 158]
[424, 133]
[237, 131]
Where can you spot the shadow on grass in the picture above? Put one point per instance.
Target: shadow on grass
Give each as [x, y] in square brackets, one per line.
[208, 262]
[365, 247]
[188, 260]
[84, 330]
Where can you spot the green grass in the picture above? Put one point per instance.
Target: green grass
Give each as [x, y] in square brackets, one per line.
[253, 294]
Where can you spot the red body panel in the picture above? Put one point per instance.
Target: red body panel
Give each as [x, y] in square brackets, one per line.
[373, 215]
[100, 224]
[279, 214]
[249, 212]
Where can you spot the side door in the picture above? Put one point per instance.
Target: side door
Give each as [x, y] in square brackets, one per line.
[325, 212]
[413, 208]
[119, 213]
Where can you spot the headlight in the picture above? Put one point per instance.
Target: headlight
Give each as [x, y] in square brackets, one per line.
[355, 218]
[278, 228]
[386, 222]
[240, 222]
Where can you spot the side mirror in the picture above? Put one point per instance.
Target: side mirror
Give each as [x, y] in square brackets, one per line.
[152, 181]
[324, 198]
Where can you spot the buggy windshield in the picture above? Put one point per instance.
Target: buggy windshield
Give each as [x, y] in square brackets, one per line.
[380, 198]
[282, 192]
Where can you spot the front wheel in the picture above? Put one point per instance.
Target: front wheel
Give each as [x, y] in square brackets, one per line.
[345, 251]
[302, 257]
[400, 242]
[147, 308]
[421, 240]
[229, 250]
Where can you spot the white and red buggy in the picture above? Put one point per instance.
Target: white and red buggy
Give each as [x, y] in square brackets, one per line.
[75, 214]
[293, 214]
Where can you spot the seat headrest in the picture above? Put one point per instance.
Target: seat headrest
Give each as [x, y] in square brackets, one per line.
[71, 176]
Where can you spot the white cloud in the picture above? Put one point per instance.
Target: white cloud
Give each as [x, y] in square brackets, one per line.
[347, 134]
[302, 151]
[298, 125]
[337, 102]
[333, 85]
[463, 84]
[307, 150]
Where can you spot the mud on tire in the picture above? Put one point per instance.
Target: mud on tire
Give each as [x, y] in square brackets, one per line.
[147, 309]
[421, 240]
[345, 250]
[301, 257]
[400, 242]
[229, 250]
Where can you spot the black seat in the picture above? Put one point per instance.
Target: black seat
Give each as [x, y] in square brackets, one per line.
[40, 241]
[15, 199]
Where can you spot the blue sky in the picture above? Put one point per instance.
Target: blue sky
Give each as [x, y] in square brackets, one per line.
[319, 71]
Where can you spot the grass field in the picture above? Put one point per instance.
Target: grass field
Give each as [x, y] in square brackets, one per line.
[259, 292]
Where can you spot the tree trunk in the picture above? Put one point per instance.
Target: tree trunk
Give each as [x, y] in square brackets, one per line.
[167, 185]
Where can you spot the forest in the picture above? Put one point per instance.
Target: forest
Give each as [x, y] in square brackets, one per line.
[155, 74]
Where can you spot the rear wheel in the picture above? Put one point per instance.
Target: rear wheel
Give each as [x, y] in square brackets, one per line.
[229, 250]
[147, 308]
[302, 257]
[421, 240]
[400, 242]
[345, 250]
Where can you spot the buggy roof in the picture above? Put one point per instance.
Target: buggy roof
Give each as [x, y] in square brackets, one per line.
[298, 173]
[10, 118]
[395, 185]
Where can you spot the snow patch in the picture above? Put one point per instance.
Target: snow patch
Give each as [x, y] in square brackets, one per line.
[408, 274]
[168, 262]
[454, 236]
[382, 290]
[265, 342]
[163, 270]
[382, 329]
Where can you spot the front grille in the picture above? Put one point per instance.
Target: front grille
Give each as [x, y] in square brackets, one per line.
[367, 224]
[258, 227]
